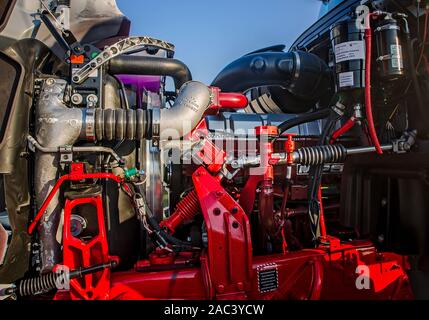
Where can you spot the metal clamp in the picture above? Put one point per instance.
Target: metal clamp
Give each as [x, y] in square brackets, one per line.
[66, 154]
[117, 49]
[156, 126]
[89, 121]
[406, 142]
[339, 108]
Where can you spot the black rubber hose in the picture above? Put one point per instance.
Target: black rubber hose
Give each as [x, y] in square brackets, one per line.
[304, 118]
[161, 236]
[151, 66]
[303, 74]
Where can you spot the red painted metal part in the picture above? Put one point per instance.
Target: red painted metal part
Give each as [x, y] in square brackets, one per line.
[227, 269]
[82, 254]
[186, 210]
[266, 170]
[328, 273]
[77, 174]
[223, 100]
[229, 255]
[233, 100]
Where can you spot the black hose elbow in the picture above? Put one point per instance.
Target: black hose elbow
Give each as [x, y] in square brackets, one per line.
[151, 66]
[304, 75]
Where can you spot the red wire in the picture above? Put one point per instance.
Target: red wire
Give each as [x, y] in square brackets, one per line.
[368, 98]
[345, 128]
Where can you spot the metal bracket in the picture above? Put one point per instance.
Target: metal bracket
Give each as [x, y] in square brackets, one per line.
[228, 174]
[156, 126]
[117, 49]
[5, 296]
[58, 28]
[405, 143]
[66, 154]
[339, 108]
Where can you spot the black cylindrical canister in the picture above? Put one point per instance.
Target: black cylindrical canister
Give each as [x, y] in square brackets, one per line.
[348, 42]
[390, 58]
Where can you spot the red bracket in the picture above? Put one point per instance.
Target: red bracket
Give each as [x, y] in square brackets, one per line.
[77, 173]
[81, 254]
[228, 230]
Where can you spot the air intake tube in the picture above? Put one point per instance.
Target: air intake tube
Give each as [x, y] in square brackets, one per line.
[192, 102]
[151, 66]
[304, 75]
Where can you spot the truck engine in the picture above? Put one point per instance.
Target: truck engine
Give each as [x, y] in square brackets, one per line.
[296, 174]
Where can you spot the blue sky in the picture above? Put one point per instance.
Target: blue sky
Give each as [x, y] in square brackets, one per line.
[210, 34]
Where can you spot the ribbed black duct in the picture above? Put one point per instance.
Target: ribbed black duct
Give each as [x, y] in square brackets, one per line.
[304, 77]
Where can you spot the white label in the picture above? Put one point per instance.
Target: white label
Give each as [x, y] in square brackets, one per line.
[396, 52]
[346, 79]
[352, 50]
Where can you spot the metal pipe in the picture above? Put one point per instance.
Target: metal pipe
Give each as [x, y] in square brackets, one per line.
[361, 150]
[93, 149]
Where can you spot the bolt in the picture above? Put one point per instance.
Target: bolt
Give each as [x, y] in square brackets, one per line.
[50, 82]
[235, 225]
[92, 98]
[217, 212]
[234, 210]
[259, 64]
[77, 98]
[220, 288]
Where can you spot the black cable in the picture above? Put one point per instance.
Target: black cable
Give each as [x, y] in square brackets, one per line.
[316, 174]
[159, 235]
[304, 118]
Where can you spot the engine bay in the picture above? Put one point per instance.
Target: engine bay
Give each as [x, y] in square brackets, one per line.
[294, 175]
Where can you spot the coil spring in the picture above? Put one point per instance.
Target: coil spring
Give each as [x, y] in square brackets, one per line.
[189, 206]
[319, 155]
[186, 210]
[42, 284]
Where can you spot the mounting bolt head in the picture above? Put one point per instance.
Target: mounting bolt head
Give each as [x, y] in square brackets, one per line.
[220, 288]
